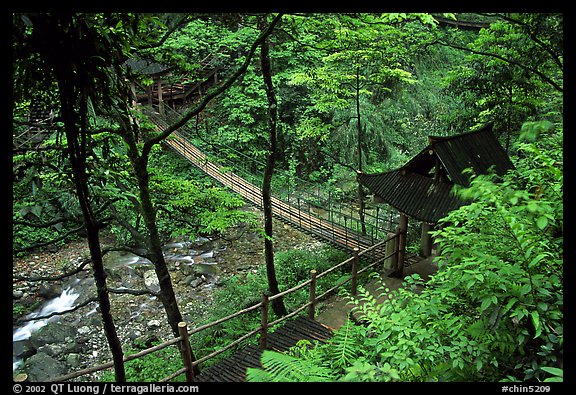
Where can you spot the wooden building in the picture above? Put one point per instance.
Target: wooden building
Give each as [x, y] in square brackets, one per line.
[422, 188]
[162, 90]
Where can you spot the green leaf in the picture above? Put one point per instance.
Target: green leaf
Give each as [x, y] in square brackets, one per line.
[510, 304]
[556, 372]
[525, 289]
[486, 302]
[542, 222]
[282, 367]
[536, 321]
[479, 364]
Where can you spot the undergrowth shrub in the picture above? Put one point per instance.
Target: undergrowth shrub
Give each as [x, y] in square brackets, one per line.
[240, 292]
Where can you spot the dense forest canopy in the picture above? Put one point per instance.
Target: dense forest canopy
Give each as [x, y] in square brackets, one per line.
[346, 92]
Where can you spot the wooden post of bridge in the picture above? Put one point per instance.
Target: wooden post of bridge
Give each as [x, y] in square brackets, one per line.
[264, 321]
[402, 244]
[355, 263]
[185, 351]
[312, 307]
[160, 100]
[391, 249]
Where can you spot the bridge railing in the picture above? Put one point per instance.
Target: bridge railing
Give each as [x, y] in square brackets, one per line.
[182, 341]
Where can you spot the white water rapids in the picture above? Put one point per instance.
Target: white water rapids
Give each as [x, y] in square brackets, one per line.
[57, 305]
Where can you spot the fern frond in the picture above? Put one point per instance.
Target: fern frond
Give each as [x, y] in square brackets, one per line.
[278, 367]
[344, 347]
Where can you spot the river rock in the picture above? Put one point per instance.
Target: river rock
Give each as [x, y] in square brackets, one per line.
[57, 349]
[84, 330]
[42, 367]
[49, 291]
[151, 281]
[53, 332]
[201, 244]
[153, 324]
[73, 360]
[196, 282]
[23, 349]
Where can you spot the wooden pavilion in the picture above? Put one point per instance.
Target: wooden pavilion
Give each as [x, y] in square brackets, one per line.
[422, 188]
[161, 91]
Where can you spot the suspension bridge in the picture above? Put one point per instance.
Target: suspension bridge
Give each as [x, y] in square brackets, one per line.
[296, 209]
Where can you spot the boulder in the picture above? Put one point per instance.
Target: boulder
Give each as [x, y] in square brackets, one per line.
[53, 332]
[49, 291]
[73, 360]
[42, 367]
[23, 348]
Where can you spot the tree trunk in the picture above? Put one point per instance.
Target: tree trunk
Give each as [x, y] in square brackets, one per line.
[277, 304]
[361, 195]
[154, 252]
[154, 247]
[77, 154]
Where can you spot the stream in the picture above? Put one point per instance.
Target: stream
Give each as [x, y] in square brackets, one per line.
[193, 264]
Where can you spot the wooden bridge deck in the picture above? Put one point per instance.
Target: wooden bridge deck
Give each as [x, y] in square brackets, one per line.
[233, 368]
[316, 226]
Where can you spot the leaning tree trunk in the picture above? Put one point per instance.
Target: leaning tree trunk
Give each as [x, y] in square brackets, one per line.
[277, 304]
[77, 154]
[154, 247]
[155, 254]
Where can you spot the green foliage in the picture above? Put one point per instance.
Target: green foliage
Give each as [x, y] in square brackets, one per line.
[43, 192]
[188, 203]
[150, 368]
[510, 272]
[557, 374]
[494, 309]
[514, 69]
[206, 209]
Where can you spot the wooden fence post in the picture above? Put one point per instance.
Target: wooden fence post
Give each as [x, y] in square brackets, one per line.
[355, 263]
[312, 307]
[264, 321]
[185, 351]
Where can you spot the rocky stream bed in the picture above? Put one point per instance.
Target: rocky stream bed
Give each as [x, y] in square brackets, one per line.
[65, 343]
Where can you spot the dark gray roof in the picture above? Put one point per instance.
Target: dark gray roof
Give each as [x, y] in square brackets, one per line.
[413, 194]
[478, 150]
[146, 67]
[411, 189]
